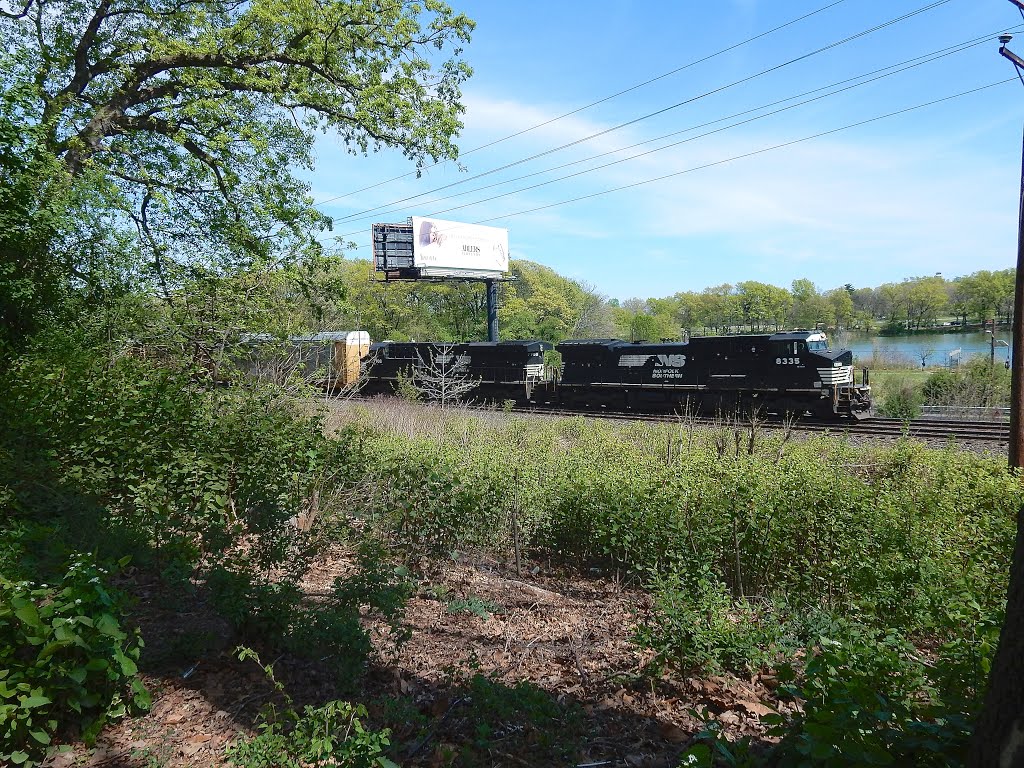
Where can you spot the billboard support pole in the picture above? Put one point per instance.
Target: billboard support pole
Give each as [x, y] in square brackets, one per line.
[492, 310]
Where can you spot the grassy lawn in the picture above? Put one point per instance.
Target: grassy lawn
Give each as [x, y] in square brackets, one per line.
[882, 378]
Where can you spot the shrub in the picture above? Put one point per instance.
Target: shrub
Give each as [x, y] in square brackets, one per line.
[181, 469]
[868, 700]
[65, 660]
[275, 611]
[902, 400]
[177, 472]
[405, 387]
[694, 625]
[883, 534]
[977, 383]
[331, 734]
[549, 728]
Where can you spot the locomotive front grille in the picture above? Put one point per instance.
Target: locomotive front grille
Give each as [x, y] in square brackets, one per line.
[832, 376]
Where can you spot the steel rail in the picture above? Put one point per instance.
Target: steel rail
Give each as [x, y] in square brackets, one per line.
[878, 427]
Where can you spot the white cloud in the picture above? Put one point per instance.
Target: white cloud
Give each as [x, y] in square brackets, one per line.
[859, 207]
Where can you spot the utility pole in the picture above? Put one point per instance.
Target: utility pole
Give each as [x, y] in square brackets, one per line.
[1016, 452]
[996, 739]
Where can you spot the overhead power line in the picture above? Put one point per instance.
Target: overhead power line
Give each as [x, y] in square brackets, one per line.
[749, 154]
[743, 156]
[661, 111]
[599, 101]
[872, 76]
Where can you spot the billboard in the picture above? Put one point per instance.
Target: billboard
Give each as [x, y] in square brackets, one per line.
[449, 248]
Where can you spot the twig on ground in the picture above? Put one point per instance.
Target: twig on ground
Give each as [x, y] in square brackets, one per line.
[433, 729]
[536, 590]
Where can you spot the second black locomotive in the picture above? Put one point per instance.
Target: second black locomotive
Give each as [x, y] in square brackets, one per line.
[793, 372]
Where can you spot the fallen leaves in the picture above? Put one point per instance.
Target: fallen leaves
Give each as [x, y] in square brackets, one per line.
[570, 636]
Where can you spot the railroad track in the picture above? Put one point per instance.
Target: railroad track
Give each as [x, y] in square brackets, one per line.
[933, 429]
[925, 429]
[991, 431]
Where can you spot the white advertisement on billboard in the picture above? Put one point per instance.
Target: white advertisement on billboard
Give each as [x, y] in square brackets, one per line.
[450, 246]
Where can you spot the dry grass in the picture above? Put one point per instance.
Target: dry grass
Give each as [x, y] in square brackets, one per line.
[414, 419]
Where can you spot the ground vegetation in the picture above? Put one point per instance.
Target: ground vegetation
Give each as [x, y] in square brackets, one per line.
[279, 583]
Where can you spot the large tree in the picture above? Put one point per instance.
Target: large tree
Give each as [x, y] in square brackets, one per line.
[999, 732]
[183, 122]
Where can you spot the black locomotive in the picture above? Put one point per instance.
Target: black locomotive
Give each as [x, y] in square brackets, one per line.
[502, 370]
[794, 372]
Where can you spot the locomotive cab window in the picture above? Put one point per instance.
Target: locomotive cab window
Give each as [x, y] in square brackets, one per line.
[817, 346]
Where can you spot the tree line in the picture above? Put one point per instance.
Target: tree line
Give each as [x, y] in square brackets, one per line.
[540, 303]
[913, 304]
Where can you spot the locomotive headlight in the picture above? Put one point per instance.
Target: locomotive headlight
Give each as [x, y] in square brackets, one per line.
[837, 364]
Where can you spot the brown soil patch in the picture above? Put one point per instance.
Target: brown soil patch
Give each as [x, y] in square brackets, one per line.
[501, 670]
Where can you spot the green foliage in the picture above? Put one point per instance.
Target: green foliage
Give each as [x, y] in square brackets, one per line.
[130, 133]
[331, 734]
[473, 605]
[66, 661]
[436, 500]
[978, 383]
[985, 295]
[540, 304]
[901, 400]
[712, 747]
[275, 612]
[495, 702]
[748, 553]
[868, 700]
[236, 487]
[549, 729]
[405, 387]
[180, 470]
[695, 626]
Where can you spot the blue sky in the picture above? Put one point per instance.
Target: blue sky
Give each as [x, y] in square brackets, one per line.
[931, 190]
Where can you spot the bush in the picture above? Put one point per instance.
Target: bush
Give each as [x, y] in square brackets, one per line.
[901, 401]
[977, 384]
[331, 734]
[274, 612]
[695, 626]
[884, 535]
[66, 662]
[868, 700]
[237, 485]
[181, 469]
[153, 460]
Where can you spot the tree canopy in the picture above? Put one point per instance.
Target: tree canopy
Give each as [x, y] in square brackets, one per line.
[170, 131]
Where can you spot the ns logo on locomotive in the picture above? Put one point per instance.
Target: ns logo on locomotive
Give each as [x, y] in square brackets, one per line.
[794, 372]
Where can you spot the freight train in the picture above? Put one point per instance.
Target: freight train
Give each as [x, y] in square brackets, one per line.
[795, 372]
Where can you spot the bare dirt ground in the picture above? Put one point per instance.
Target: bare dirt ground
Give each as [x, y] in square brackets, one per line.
[501, 669]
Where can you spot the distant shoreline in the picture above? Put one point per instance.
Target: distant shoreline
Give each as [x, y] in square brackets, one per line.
[938, 329]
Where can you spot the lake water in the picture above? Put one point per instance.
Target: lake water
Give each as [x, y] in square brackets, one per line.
[911, 348]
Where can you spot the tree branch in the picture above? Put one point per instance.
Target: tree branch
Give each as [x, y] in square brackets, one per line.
[83, 72]
[143, 223]
[21, 14]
